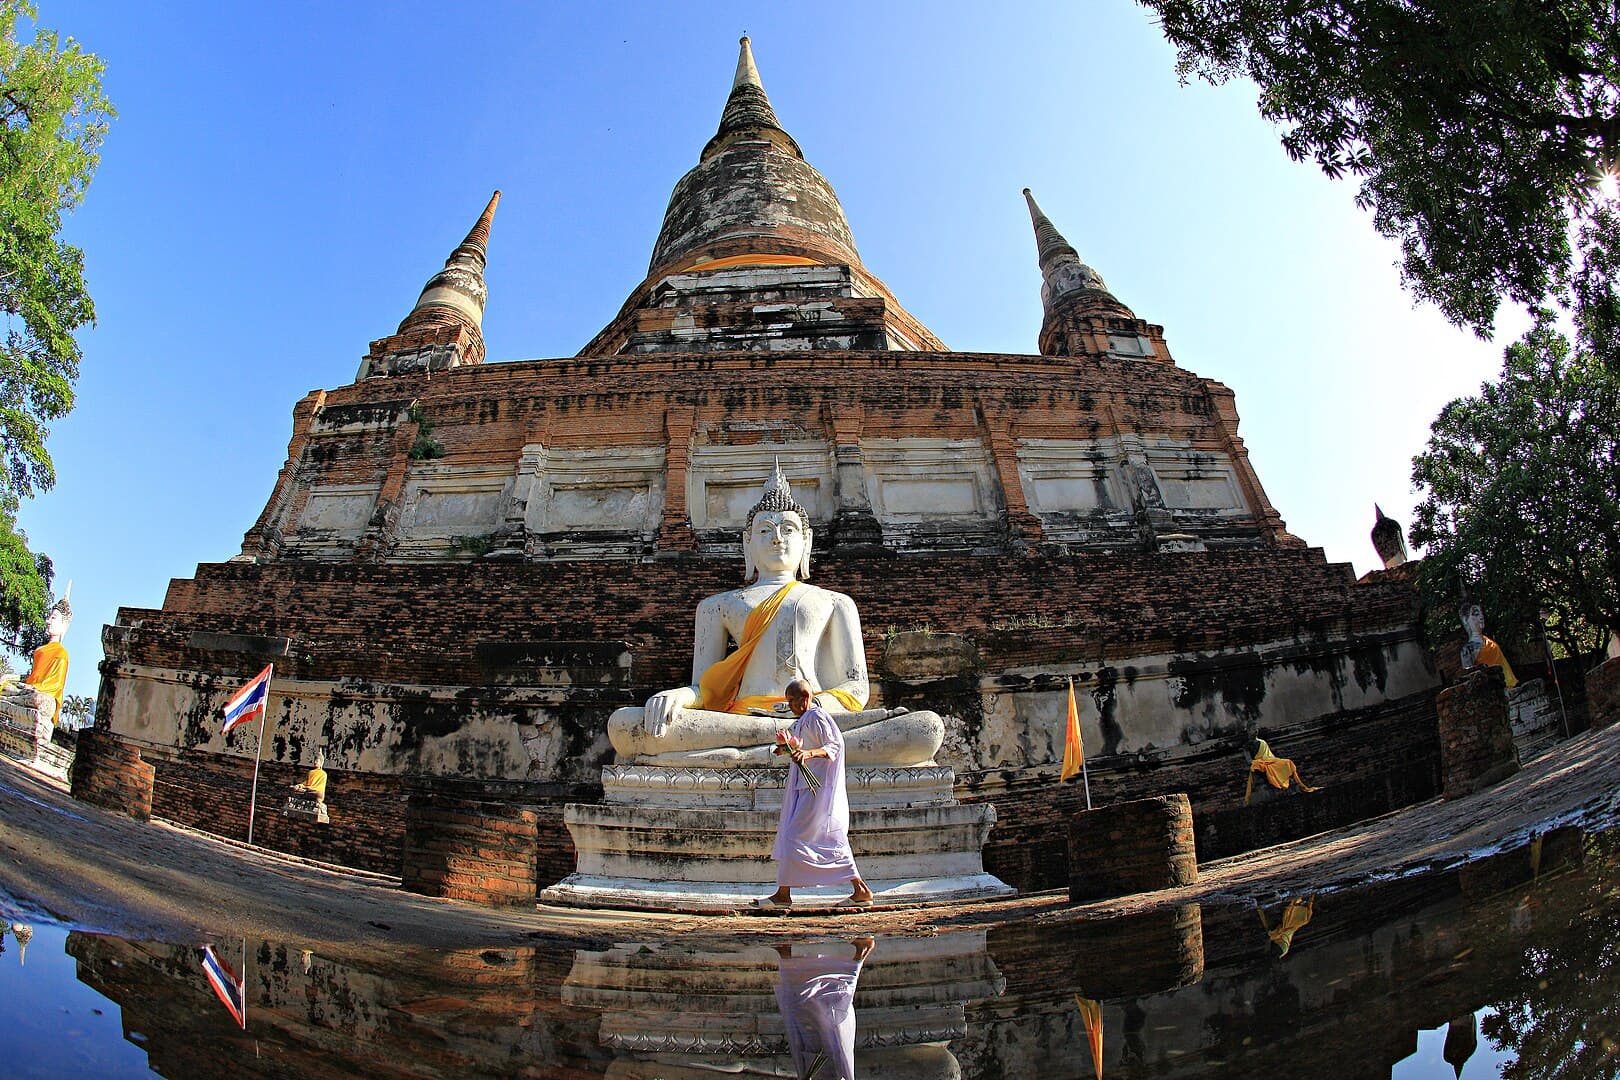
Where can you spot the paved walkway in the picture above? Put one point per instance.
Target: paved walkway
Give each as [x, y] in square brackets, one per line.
[101, 871]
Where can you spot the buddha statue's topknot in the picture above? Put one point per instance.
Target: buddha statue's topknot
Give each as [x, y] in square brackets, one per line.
[778, 497]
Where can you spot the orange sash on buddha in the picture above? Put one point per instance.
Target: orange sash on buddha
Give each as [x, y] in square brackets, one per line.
[49, 673]
[717, 689]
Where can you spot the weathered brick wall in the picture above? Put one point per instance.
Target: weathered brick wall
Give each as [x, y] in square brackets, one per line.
[212, 792]
[483, 415]
[468, 848]
[1366, 764]
[1603, 694]
[1139, 846]
[1476, 739]
[423, 624]
[110, 774]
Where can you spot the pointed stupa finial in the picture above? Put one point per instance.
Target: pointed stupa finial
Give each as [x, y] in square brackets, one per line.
[747, 73]
[1064, 277]
[1049, 243]
[748, 113]
[457, 293]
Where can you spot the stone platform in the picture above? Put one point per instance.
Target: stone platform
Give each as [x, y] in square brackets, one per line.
[700, 839]
[26, 737]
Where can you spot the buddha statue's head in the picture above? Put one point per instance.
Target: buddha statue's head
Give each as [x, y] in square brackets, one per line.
[58, 619]
[1473, 619]
[776, 538]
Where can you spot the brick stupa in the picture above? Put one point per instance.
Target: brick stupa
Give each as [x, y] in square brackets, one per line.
[464, 567]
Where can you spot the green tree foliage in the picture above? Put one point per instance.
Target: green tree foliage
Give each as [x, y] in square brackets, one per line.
[25, 582]
[52, 119]
[78, 711]
[1521, 483]
[1562, 1020]
[1479, 129]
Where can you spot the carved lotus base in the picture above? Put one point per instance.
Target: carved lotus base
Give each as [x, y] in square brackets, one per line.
[700, 839]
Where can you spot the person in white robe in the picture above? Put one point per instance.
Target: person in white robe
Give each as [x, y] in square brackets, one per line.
[812, 837]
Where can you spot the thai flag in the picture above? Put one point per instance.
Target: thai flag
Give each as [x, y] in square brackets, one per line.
[226, 985]
[248, 703]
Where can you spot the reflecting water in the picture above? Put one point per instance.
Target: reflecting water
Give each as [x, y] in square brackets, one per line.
[1509, 967]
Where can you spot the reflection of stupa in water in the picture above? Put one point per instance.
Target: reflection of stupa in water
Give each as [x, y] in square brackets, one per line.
[671, 1011]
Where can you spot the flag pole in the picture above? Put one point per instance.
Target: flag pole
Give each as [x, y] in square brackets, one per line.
[241, 984]
[1085, 777]
[253, 800]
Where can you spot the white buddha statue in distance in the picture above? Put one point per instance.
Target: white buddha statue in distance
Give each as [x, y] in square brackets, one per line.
[785, 629]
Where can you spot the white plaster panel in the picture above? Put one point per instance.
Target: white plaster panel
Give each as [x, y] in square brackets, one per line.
[1200, 492]
[441, 510]
[1194, 479]
[613, 488]
[916, 480]
[953, 496]
[724, 482]
[442, 501]
[1068, 474]
[343, 509]
[598, 507]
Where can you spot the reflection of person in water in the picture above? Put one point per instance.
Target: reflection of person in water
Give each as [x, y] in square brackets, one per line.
[816, 994]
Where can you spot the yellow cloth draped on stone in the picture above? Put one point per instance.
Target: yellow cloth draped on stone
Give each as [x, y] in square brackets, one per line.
[1278, 771]
[1491, 653]
[717, 688]
[316, 782]
[49, 673]
[1296, 913]
[1091, 1017]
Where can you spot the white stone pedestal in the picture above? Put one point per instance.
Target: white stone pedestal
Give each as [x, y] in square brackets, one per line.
[700, 839]
[25, 735]
[670, 1011]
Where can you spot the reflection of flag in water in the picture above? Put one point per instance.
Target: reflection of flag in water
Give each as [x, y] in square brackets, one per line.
[225, 984]
[1091, 1016]
[1074, 752]
[248, 703]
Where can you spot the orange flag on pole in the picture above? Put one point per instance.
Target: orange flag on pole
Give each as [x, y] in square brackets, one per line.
[1074, 753]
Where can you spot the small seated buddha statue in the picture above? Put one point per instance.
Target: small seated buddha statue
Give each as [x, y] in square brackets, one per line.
[784, 629]
[1479, 650]
[315, 780]
[308, 799]
[40, 691]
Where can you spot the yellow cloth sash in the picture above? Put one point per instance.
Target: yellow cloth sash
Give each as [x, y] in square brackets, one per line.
[315, 782]
[49, 673]
[717, 688]
[1491, 653]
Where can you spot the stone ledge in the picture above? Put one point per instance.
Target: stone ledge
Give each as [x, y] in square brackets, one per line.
[587, 890]
[869, 787]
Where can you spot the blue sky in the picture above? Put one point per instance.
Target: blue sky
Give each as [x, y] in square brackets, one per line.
[282, 179]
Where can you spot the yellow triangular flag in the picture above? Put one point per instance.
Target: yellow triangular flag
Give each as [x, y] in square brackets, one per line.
[1091, 1016]
[1073, 751]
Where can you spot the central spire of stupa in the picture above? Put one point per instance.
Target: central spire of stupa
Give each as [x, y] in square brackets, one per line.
[752, 193]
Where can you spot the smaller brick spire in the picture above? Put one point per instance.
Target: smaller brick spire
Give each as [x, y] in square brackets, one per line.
[1069, 288]
[457, 293]
[1062, 271]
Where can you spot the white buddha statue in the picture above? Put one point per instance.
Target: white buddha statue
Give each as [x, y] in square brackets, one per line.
[785, 629]
[38, 694]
